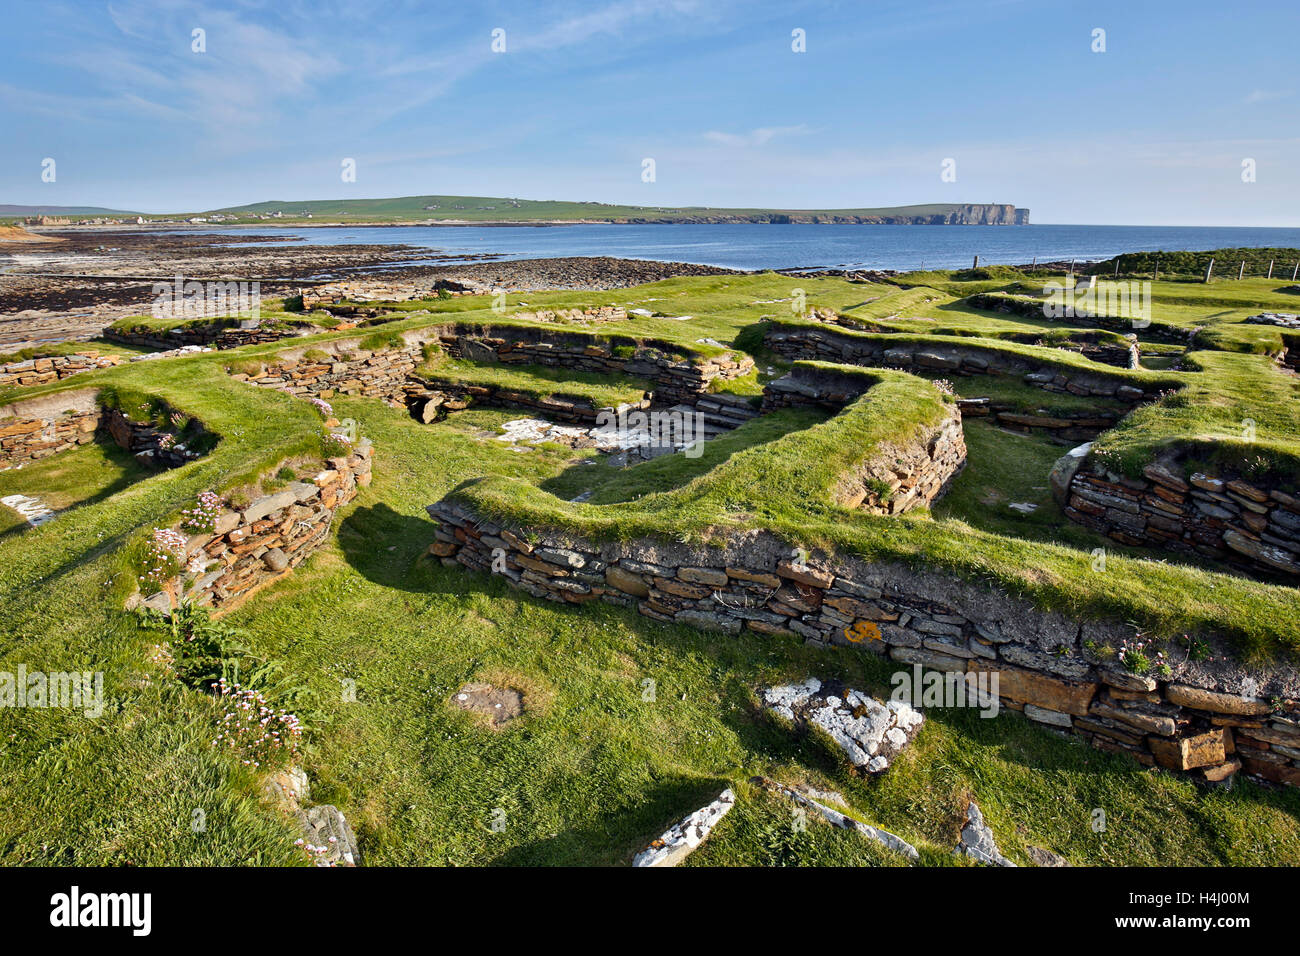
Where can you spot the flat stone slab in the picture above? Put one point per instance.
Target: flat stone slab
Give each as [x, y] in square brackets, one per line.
[977, 841]
[34, 512]
[813, 799]
[681, 839]
[1286, 320]
[498, 704]
[870, 733]
[329, 838]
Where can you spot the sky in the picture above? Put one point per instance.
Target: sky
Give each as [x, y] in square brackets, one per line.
[1153, 129]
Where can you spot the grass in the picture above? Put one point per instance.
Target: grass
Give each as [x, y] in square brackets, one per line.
[496, 209]
[592, 771]
[80, 476]
[52, 349]
[595, 771]
[539, 381]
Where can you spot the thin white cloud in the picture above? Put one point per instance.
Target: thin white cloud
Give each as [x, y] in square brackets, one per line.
[1265, 96]
[755, 137]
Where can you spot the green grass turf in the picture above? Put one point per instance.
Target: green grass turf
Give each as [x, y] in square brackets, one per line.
[592, 771]
[600, 391]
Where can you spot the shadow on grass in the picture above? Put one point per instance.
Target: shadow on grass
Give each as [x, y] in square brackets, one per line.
[383, 545]
[742, 663]
[613, 838]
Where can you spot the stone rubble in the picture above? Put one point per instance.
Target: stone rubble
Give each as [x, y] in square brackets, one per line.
[870, 733]
[33, 510]
[977, 841]
[681, 839]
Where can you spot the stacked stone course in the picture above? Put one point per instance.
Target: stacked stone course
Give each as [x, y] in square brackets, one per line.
[1064, 427]
[270, 536]
[1035, 309]
[1254, 528]
[30, 439]
[387, 373]
[902, 474]
[1084, 343]
[214, 336]
[54, 368]
[829, 345]
[39, 428]
[1211, 719]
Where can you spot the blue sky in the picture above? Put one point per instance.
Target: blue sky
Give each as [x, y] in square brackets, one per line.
[1152, 131]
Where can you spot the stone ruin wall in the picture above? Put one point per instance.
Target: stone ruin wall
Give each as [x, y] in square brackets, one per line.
[266, 539]
[1035, 309]
[1253, 528]
[829, 346]
[41, 371]
[1210, 720]
[901, 475]
[213, 336]
[1242, 524]
[33, 429]
[387, 373]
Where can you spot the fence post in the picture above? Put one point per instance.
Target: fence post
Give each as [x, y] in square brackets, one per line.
[1270, 269]
[1117, 265]
[1242, 271]
[976, 264]
[1156, 274]
[1209, 270]
[1295, 270]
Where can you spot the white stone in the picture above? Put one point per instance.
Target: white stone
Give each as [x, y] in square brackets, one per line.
[681, 839]
[869, 732]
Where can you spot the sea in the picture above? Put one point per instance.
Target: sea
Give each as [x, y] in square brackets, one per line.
[772, 246]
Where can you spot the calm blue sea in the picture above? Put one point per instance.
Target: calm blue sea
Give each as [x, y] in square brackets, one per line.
[756, 246]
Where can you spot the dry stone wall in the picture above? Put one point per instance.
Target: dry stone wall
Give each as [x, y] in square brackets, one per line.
[40, 371]
[24, 440]
[1062, 426]
[380, 374]
[1255, 528]
[38, 428]
[675, 380]
[903, 474]
[1086, 344]
[387, 373]
[830, 345]
[434, 397]
[1209, 719]
[265, 539]
[215, 336]
[1036, 309]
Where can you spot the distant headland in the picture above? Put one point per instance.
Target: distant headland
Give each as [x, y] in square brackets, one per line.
[486, 210]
